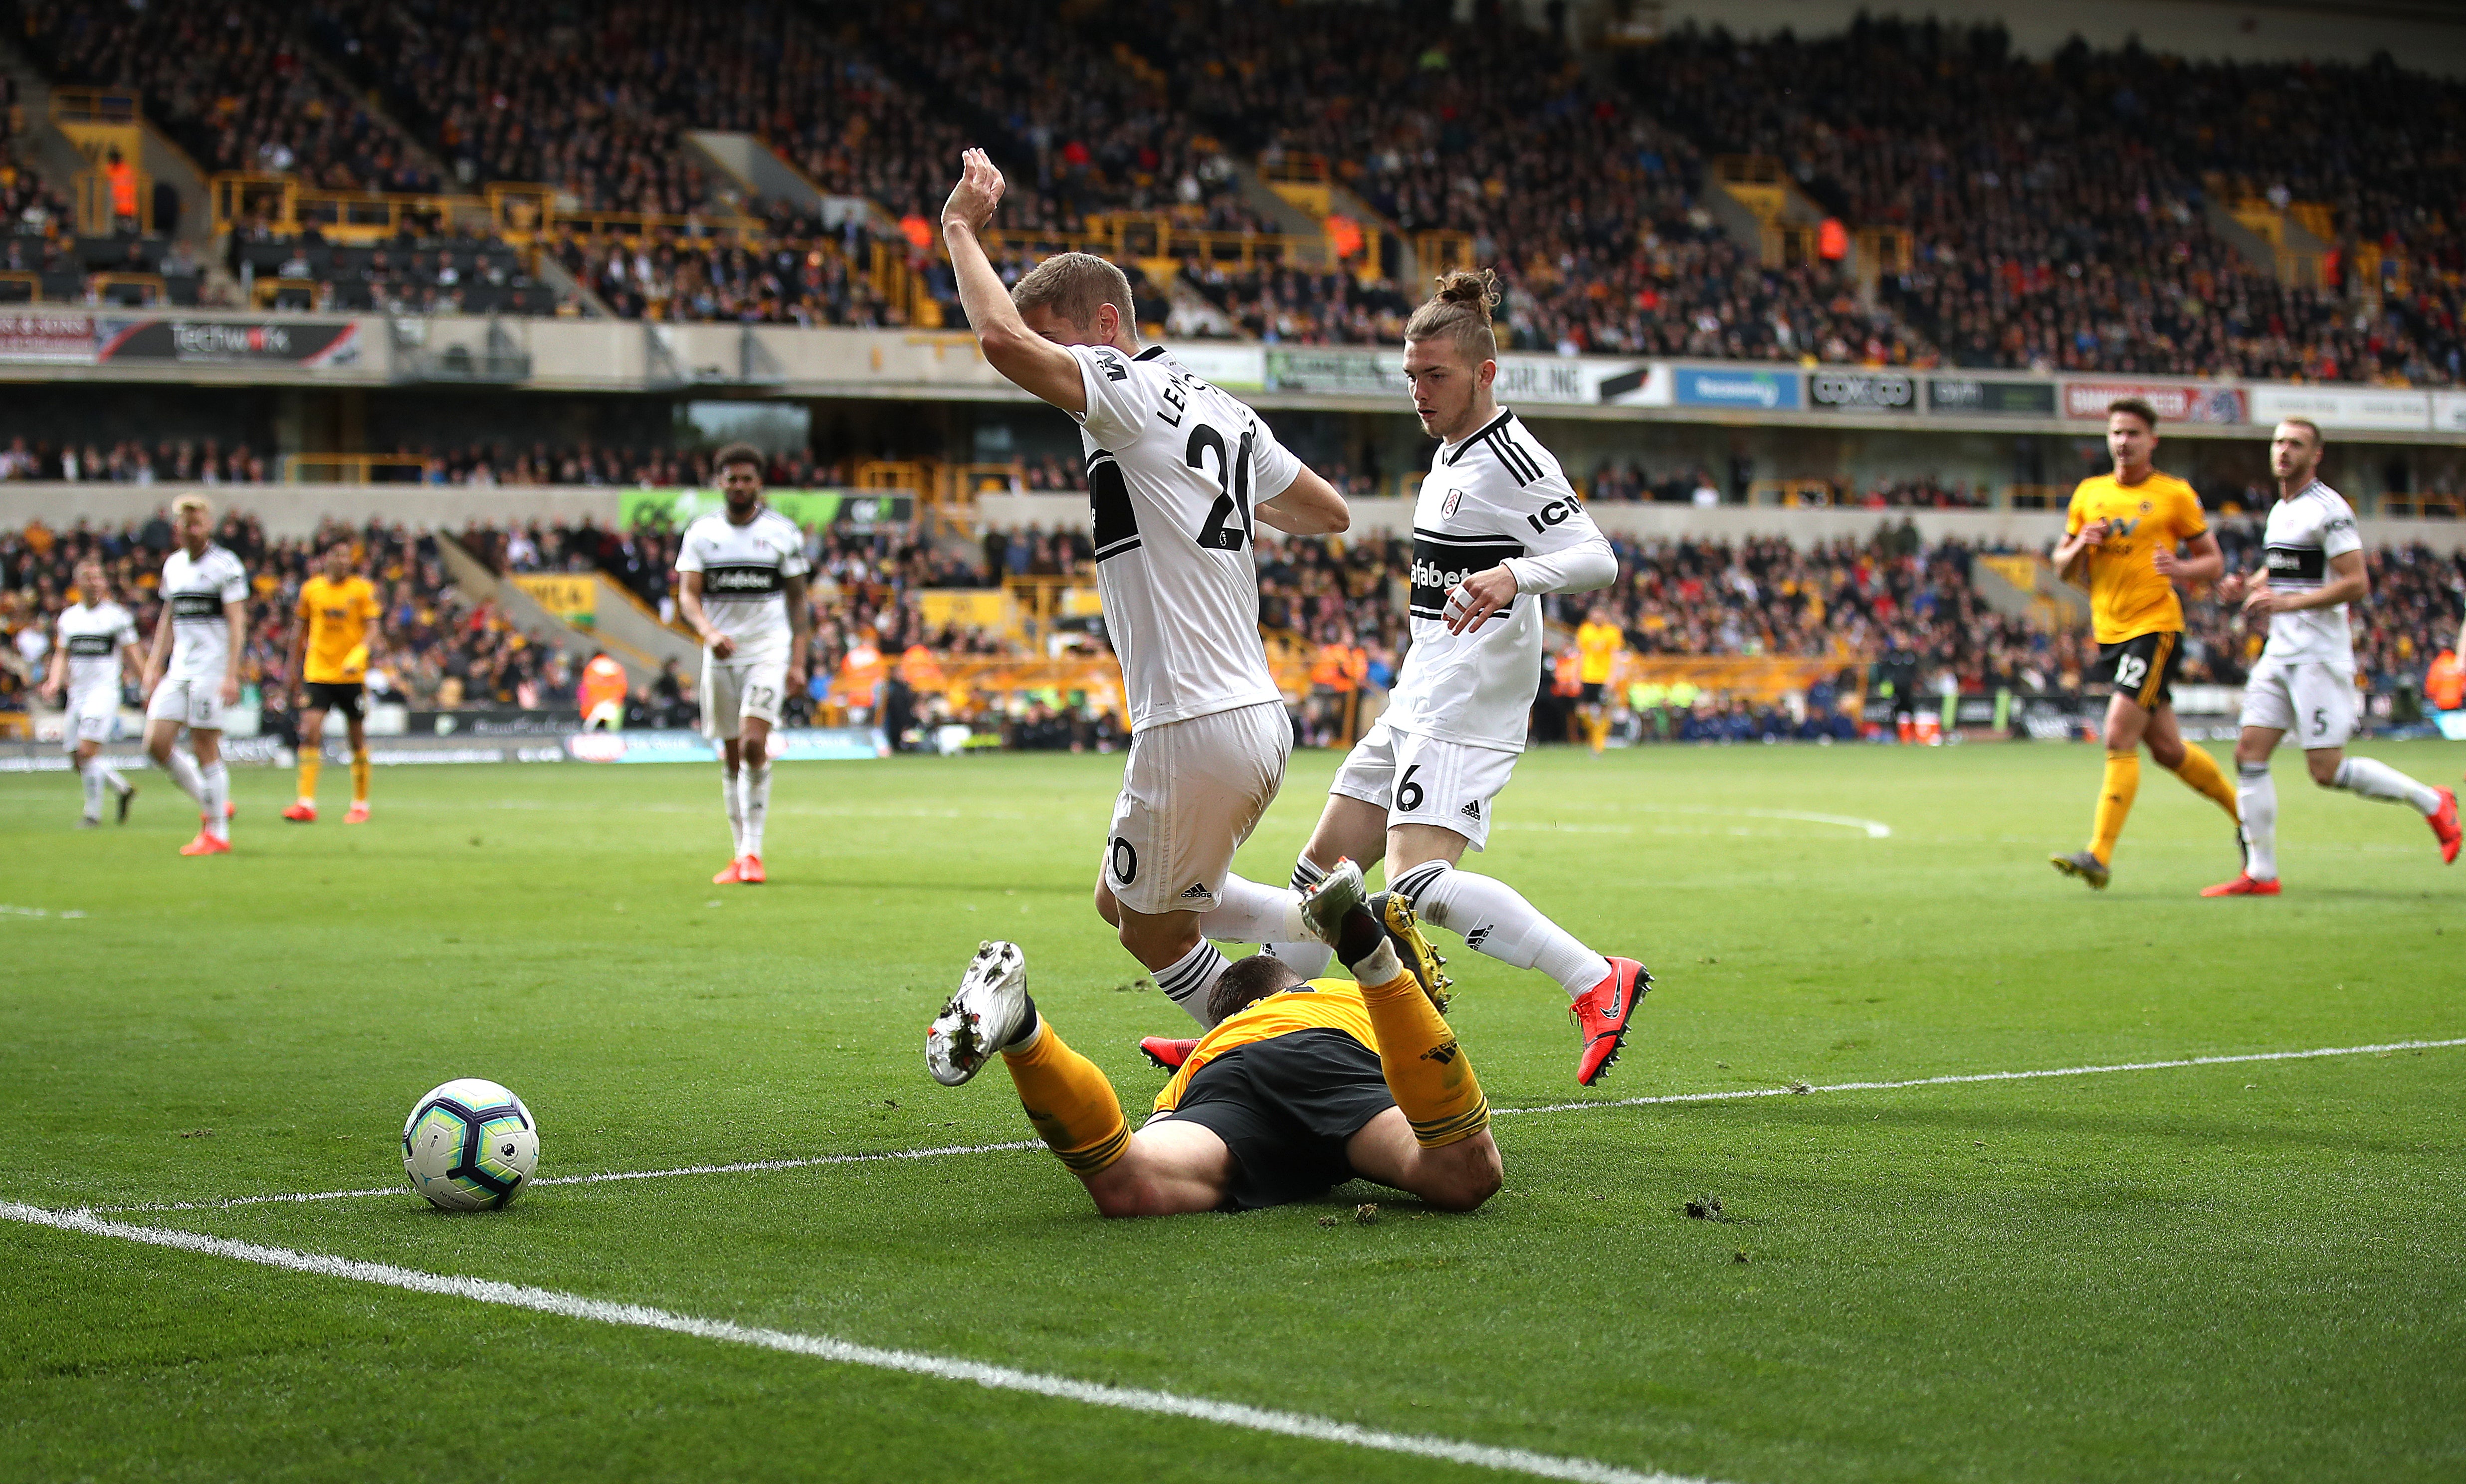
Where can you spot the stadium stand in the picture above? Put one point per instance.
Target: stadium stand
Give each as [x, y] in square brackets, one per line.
[2059, 209]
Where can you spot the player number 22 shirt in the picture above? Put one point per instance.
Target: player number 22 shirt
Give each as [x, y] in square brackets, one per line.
[1174, 469]
[745, 571]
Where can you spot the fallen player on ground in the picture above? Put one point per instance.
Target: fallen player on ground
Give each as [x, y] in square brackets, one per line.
[1297, 1088]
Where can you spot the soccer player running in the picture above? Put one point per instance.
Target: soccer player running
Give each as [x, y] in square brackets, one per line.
[1299, 1088]
[2304, 682]
[1497, 525]
[334, 638]
[193, 669]
[2122, 533]
[94, 643]
[1177, 473]
[741, 585]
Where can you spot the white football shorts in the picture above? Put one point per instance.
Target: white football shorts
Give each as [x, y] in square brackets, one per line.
[1192, 793]
[1426, 780]
[92, 715]
[735, 689]
[194, 701]
[2311, 700]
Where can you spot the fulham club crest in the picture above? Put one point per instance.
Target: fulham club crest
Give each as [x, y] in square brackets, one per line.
[1447, 506]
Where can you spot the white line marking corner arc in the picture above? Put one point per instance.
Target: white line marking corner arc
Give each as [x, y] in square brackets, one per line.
[823, 1348]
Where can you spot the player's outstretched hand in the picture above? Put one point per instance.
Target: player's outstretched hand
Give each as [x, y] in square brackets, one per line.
[2231, 588]
[977, 193]
[1479, 596]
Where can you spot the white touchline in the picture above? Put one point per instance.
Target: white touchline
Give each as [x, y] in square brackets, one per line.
[823, 1347]
[1592, 1105]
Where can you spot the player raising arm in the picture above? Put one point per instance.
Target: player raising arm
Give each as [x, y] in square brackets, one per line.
[741, 585]
[94, 644]
[1178, 471]
[193, 672]
[334, 635]
[2121, 535]
[1300, 1087]
[2305, 680]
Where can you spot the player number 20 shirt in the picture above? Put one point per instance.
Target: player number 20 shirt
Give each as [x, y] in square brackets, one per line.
[1174, 469]
[745, 571]
[196, 591]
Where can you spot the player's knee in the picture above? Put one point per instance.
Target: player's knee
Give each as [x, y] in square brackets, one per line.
[1118, 1191]
[1468, 1175]
[2166, 754]
[1107, 906]
[2325, 769]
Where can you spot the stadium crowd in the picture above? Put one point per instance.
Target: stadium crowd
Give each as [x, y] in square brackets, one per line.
[1887, 611]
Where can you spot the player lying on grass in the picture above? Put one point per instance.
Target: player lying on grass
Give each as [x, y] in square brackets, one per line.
[1299, 1088]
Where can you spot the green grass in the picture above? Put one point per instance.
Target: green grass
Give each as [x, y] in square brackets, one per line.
[2252, 1271]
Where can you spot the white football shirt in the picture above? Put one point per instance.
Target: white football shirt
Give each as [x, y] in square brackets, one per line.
[745, 571]
[1174, 469]
[2302, 535]
[195, 592]
[95, 635]
[1497, 496]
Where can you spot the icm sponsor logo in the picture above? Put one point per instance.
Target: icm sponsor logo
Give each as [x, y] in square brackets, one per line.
[1884, 390]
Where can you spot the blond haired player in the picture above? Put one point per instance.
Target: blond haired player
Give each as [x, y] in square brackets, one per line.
[332, 642]
[193, 671]
[2304, 682]
[1177, 469]
[2122, 535]
[1496, 525]
[94, 644]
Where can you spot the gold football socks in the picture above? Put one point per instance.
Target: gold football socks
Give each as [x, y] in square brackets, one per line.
[1428, 1074]
[1070, 1101]
[360, 775]
[2202, 774]
[2114, 801]
[309, 764]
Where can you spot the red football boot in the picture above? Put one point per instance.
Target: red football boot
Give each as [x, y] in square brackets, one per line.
[2444, 827]
[303, 812]
[1602, 1014]
[206, 845]
[749, 871]
[729, 876]
[2242, 886]
[1168, 1052]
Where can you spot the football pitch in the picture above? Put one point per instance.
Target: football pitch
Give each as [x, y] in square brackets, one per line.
[2147, 1266]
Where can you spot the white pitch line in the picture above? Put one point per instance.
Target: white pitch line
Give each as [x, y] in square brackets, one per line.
[823, 1348]
[1731, 1095]
[741, 1167]
[1954, 1078]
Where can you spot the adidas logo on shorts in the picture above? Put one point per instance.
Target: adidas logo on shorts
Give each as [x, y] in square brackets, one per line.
[1195, 893]
[1471, 811]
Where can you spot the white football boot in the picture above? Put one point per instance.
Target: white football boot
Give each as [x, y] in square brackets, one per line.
[981, 1018]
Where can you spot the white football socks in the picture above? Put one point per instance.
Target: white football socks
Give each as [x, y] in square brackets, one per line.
[2377, 780]
[216, 780]
[184, 772]
[2257, 800]
[1247, 912]
[1494, 919]
[1301, 953]
[1190, 978]
[730, 790]
[758, 805]
[92, 777]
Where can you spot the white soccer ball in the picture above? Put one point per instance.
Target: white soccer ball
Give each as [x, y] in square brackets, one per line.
[470, 1145]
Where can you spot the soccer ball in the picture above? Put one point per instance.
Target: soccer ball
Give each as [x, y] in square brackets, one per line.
[469, 1146]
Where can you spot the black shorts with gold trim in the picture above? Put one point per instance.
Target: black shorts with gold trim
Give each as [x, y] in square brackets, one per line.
[344, 696]
[1286, 1107]
[2142, 667]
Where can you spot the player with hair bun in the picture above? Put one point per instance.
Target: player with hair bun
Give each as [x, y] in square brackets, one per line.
[1496, 525]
